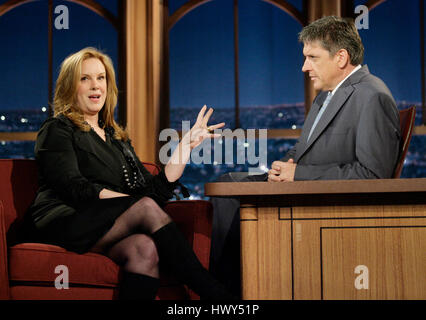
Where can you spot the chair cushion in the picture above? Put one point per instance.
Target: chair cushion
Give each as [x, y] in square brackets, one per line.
[36, 262]
[28, 292]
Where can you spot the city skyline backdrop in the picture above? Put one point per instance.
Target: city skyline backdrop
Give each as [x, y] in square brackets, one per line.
[202, 68]
[202, 57]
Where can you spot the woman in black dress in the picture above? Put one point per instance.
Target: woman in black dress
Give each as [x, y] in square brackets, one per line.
[95, 195]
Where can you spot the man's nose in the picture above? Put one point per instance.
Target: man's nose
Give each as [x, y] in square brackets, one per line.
[306, 66]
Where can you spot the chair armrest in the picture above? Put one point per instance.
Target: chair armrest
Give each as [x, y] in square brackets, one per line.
[194, 219]
[4, 279]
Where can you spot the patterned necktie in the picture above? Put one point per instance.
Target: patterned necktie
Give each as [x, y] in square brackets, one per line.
[324, 105]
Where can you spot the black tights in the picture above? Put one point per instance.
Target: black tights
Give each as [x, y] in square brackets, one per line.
[128, 242]
[142, 236]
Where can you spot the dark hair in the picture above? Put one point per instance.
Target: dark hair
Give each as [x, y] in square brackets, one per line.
[335, 33]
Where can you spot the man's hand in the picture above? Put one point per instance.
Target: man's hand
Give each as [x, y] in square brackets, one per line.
[282, 171]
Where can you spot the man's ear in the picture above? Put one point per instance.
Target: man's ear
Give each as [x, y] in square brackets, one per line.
[343, 58]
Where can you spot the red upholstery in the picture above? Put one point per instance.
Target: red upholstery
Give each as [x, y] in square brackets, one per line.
[27, 270]
[406, 122]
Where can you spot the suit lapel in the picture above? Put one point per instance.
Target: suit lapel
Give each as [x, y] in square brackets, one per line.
[84, 142]
[310, 118]
[336, 103]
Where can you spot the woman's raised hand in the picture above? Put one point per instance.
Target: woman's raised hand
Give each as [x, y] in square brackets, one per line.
[194, 137]
[201, 130]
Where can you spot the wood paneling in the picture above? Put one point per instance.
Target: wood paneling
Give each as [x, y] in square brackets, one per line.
[266, 266]
[326, 252]
[18, 136]
[393, 259]
[249, 262]
[144, 45]
[358, 212]
[311, 251]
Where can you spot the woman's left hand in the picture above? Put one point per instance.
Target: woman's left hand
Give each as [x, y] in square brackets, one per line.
[195, 136]
[200, 130]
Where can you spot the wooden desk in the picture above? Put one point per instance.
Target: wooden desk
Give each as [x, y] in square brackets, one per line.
[357, 239]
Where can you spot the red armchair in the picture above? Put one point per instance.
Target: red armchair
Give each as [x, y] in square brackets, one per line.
[27, 270]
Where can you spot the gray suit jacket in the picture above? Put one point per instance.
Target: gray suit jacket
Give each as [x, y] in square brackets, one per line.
[357, 137]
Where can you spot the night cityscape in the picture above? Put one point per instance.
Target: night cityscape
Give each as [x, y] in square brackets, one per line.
[202, 69]
[196, 175]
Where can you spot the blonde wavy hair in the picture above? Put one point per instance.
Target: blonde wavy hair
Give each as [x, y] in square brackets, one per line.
[65, 99]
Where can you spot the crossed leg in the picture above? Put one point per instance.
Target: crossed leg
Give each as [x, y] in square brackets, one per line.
[127, 242]
[143, 235]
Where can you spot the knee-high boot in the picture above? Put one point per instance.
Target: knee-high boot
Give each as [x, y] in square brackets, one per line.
[134, 286]
[178, 257]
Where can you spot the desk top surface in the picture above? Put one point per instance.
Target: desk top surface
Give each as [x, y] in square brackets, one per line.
[224, 189]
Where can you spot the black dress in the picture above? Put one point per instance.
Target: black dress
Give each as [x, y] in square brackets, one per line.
[74, 166]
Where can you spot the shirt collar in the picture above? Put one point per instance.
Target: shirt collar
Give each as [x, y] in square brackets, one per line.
[340, 83]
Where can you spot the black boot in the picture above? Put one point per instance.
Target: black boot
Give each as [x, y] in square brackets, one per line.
[180, 260]
[134, 286]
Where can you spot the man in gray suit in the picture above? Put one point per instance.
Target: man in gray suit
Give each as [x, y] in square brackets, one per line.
[351, 132]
